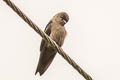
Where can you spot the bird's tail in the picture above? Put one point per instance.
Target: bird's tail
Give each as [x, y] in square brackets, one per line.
[40, 69]
[45, 60]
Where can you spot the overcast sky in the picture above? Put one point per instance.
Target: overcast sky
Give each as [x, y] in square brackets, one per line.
[93, 39]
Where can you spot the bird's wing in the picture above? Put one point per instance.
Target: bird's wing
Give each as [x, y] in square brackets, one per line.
[45, 58]
[47, 31]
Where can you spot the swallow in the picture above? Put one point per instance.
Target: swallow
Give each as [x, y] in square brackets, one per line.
[56, 31]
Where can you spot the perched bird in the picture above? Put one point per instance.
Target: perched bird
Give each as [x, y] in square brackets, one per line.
[56, 31]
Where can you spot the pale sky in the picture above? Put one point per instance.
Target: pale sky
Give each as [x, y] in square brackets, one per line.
[93, 39]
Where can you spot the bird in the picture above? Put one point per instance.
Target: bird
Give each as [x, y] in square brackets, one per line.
[56, 31]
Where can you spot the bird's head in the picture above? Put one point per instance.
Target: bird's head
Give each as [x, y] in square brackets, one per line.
[61, 18]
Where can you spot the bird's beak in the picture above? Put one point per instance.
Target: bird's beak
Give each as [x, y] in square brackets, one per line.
[65, 21]
[66, 18]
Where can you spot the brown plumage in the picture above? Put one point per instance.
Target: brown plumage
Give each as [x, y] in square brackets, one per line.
[56, 30]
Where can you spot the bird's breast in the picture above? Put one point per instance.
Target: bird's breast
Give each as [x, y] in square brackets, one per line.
[58, 34]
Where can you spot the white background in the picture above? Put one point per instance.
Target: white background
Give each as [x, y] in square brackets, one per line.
[93, 39]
